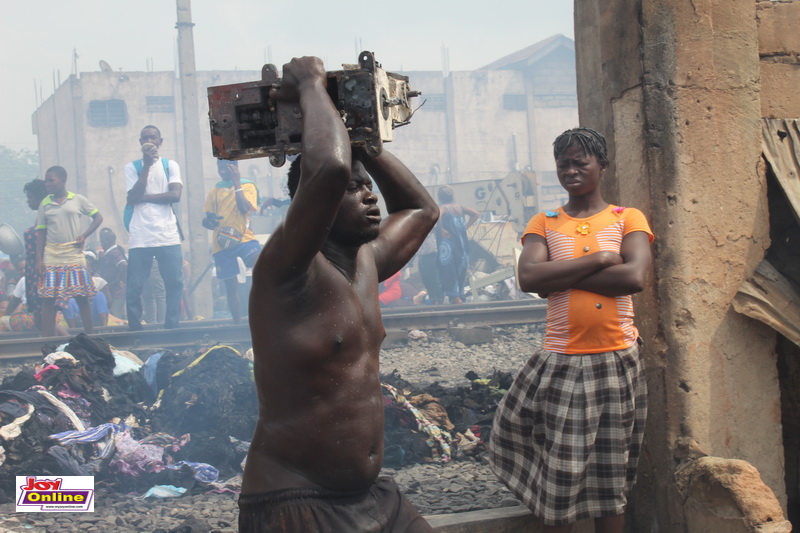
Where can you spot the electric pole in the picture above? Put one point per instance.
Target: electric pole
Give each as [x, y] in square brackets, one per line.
[193, 179]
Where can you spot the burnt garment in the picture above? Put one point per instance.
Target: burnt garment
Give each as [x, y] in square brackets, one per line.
[381, 508]
[567, 436]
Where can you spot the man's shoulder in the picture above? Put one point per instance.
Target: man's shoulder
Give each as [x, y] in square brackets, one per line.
[215, 191]
[116, 252]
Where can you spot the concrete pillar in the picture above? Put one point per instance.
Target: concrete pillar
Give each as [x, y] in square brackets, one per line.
[193, 183]
[674, 86]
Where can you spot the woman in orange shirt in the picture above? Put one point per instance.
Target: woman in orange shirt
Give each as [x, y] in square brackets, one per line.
[567, 436]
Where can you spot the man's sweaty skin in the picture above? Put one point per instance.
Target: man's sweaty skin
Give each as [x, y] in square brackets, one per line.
[314, 314]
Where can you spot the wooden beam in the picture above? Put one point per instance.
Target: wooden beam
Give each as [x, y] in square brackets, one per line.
[769, 297]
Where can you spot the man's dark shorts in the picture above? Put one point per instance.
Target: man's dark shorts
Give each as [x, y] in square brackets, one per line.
[381, 508]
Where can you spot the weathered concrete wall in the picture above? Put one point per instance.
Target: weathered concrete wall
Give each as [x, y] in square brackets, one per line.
[779, 49]
[678, 98]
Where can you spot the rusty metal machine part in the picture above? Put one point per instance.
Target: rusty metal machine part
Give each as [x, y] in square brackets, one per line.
[245, 122]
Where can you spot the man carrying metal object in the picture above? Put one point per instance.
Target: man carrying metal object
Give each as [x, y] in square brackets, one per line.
[316, 327]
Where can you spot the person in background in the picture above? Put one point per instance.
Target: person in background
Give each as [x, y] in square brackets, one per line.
[453, 244]
[99, 311]
[16, 317]
[6, 273]
[390, 290]
[112, 266]
[13, 274]
[99, 302]
[153, 185]
[567, 436]
[428, 265]
[59, 249]
[228, 208]
[35, 191]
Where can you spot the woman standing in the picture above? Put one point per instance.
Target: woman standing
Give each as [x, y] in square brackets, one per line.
[567, 436]
[453, 244]
[59, 249]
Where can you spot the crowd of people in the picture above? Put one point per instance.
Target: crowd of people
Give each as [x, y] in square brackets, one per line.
[63, 284]
[59, 283]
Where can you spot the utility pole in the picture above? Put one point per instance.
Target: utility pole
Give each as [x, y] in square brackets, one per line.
[193, 182]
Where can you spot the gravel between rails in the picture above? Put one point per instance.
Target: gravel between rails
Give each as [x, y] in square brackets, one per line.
[461, 485]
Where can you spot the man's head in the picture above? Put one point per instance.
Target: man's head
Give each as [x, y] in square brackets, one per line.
[55, 180]
[224, 168]
[358, 219]
[150, 134]
[35, 191]
[588, 139]
[91, 257]
[446, 195]
[107, 238]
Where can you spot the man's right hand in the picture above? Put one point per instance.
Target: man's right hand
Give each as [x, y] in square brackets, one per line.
[297, 75]
[211, 221]
[149, 153]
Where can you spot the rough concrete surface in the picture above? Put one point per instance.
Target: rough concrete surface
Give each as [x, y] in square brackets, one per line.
[725, 495]
[685, 88]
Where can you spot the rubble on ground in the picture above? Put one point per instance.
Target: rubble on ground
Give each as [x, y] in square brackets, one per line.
[143, 427]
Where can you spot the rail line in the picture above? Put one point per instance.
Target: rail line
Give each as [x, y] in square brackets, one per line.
[494, 313]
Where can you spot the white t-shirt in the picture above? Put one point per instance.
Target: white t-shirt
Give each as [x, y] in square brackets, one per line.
[153, 225]
[19, 290]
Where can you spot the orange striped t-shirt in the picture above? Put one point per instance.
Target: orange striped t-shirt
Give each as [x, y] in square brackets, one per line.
[578, 321]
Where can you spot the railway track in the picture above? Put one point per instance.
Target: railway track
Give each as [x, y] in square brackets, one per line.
[495, 313]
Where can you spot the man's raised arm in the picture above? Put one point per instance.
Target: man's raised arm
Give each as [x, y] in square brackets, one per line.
[325, 172]
[412, 212]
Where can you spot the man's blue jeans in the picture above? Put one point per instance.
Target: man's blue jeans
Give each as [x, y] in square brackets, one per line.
[170, 265]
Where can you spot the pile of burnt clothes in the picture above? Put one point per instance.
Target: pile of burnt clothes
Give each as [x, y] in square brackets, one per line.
[171, 422]
[438, 424]
[160, 427]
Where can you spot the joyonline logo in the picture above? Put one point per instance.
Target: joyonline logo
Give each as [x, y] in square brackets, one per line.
[60, 494]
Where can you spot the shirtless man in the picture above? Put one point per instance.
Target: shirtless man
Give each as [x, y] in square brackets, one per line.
[316, 328]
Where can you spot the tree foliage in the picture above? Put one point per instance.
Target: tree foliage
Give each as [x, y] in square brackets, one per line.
[17, 167]
[18, 164]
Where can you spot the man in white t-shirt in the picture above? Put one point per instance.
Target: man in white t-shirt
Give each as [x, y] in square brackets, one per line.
[153, 185]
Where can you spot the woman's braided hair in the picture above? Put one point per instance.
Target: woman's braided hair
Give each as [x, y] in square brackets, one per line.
[591, 141]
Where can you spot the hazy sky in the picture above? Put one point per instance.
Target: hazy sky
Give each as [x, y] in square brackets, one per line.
[38, 38]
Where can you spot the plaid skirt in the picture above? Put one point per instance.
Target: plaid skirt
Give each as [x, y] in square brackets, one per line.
[566, 438]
